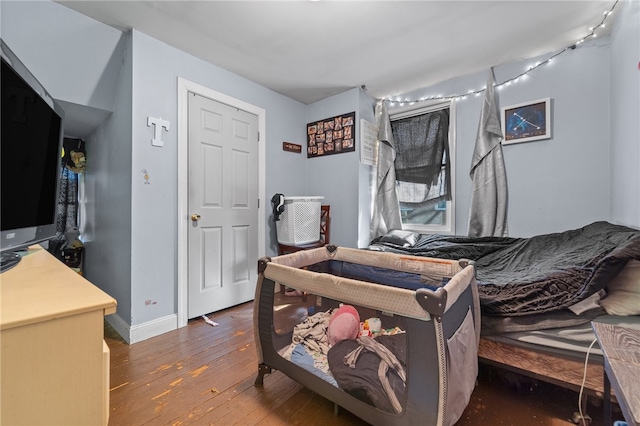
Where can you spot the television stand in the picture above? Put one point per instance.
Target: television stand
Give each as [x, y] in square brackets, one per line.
[55, 363]
[9, 260]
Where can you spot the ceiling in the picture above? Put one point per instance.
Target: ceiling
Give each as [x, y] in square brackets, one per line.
[309, 50]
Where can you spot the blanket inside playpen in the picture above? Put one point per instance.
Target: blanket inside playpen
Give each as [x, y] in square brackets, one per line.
[311, 350]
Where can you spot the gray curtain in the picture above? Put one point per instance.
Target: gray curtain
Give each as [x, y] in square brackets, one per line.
[386, 210]
[422, 157]
[488, 211]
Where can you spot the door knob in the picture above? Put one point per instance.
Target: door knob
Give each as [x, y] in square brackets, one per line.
[195, 217]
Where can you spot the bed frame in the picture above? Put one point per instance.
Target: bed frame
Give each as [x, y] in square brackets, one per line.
[435, 322]
[551, 368]
[564, 371]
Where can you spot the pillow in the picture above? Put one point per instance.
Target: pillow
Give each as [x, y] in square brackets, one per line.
[401, 238]
[344, 324]
[623, 292]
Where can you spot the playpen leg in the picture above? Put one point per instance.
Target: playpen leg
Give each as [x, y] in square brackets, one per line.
[262, 370]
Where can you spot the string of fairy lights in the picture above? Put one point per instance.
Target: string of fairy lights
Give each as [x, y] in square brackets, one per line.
[592, 34]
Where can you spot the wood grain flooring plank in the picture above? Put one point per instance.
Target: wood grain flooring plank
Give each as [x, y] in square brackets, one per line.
[187, 356]
[203, 339]
[186, 382]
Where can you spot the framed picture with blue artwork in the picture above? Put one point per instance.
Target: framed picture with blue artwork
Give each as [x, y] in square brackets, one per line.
[526, 122]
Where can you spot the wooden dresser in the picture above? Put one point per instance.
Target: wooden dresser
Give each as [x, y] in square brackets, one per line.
[54, 363]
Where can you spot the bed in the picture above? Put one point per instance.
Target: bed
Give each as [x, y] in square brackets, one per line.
[538, 295]
[425, 312]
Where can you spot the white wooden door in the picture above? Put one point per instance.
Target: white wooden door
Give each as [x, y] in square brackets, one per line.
[223, 205]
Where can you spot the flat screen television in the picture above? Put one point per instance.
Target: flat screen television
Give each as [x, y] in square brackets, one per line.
[31, 143]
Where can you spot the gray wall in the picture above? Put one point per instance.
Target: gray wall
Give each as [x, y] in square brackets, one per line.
[555, 184]
[77, 59]
[107, 231]
[87, 66]
[131, 236]
[587, 171]
[341, 178]
[156, 67]
[625, 110]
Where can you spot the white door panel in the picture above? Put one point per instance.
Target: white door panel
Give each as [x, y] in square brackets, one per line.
[223, 198]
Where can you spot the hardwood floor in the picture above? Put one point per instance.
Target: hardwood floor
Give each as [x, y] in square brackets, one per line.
[204, 375]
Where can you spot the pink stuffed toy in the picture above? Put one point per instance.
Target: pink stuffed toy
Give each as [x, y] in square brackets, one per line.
[344, 324]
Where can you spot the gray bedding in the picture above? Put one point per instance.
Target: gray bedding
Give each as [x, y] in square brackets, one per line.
[524, 276]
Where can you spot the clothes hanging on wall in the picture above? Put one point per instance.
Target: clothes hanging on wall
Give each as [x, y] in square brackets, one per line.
[73, 162]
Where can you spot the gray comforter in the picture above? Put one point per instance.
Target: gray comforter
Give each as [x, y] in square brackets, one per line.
[523, 276]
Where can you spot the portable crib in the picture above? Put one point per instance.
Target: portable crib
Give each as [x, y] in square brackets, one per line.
[442, 324]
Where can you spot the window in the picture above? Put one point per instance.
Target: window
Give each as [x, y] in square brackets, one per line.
[424, 166]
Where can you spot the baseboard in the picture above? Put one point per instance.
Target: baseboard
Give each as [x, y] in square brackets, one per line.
[137, 333]
[119, 325]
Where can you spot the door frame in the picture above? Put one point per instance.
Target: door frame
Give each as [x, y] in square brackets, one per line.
[184, 87]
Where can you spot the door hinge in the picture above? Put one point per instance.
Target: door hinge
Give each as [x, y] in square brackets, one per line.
[258, 202]
[258, 136]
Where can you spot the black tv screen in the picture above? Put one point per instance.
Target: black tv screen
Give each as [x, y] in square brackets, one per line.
[31, 140]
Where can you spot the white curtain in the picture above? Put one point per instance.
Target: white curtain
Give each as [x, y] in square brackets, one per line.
[488, 211]
[386, 210]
